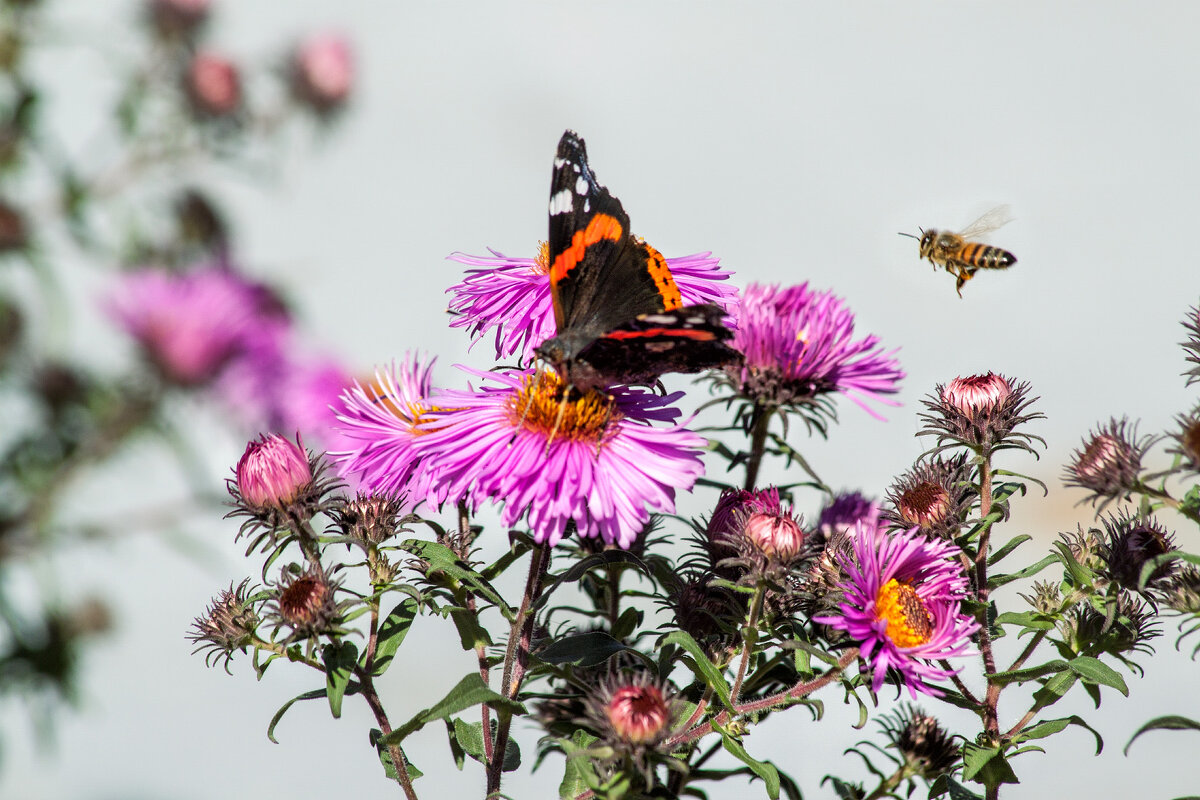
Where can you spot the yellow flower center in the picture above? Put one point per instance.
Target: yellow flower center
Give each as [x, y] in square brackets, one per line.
[547, 405]
[541, 262]
[909, 623]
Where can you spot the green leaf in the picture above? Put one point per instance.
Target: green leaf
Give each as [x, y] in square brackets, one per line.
[385, 758]
[585, 649]
[469, 737]
[313, 695]
[763, 769]
[1050, 727]
[1033, 620]
[947, 785]
[1029, 673]
[700, 665]
[442, 559]
[392, 631]
[1009, 546]
[339, 667]
[986, 765]
[516, 549]
[470, 633]
[1031, 570]
[1167, 723]
[578, 776]
[1055, 688]
[470, 691]
[1095, 671]
[457, 749]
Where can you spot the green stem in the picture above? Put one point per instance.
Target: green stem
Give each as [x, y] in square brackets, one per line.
[758, 442]
[991, 700]
[749, 639]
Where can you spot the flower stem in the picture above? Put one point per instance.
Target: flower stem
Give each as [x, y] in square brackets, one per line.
[749, 639]
[990, 711]
[516, 657]
[758, 442]
[464, 533]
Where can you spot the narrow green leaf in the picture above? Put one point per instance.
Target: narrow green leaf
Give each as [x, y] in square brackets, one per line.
[763, 769]
[987, 765]
[339, 667]
[470, 691]
[1167, 723]
[1055, 688]
[469, 736]
[1029, 673]
[457, 750]
[392, 631]
[1050, 727]
[313, 695]
[1008, 547]
[1033, 620]
[1031, 570]
[700, 665]
[385, 758]
[516, 549]
[1093, 670]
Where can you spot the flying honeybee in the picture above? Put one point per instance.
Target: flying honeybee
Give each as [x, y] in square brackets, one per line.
[960, 256]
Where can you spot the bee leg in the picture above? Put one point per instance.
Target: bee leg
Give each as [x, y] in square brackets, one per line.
[965, 274]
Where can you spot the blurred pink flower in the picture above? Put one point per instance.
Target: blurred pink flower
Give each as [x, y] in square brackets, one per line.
[213, 84]
[323, 71]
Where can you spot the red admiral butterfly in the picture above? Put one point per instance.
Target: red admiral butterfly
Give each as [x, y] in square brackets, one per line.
[619, 314]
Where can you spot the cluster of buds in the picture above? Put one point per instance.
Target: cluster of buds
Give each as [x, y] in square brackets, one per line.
[319, 69]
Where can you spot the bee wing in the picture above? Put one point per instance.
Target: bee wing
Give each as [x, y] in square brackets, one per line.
[988, 222]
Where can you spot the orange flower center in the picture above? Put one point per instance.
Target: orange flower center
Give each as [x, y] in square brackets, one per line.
[909, 622]
[547, 405]
[923, 504]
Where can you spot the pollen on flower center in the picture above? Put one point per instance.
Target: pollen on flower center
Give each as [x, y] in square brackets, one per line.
[541, 406]
[541, 262]
[909, 622]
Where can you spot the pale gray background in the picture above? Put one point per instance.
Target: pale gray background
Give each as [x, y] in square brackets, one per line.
[793, 140]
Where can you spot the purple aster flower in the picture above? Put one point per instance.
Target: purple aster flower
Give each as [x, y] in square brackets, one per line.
[189, 325]
[378, 431]
[591, 461]
[902, 605]
[512, 296]
[799, 346]
[847, 510]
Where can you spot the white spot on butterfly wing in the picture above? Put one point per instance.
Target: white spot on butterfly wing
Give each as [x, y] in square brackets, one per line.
[581, 186]
[562, 202]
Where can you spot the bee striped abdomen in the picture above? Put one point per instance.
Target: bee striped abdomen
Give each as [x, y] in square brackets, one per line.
[985, 256]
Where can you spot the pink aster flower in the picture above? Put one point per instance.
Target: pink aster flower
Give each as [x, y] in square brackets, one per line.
[846, 510]
[799, 346]
[903, 606]
[378, 431]
[189, 325]
[512, 296]
[213, 85]
[598, 464]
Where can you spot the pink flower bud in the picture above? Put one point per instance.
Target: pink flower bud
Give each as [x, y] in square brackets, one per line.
[977, 393]
[638, 714]
[774, 535]
[272, 473]
[323, 71]
[213, 85]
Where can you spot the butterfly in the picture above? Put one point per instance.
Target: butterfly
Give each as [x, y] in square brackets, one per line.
[619, 315]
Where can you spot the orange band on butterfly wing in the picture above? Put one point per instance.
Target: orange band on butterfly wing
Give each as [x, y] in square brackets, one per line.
[664, 282]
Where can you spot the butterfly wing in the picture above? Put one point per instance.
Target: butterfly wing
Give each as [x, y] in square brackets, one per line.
[600, 275]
